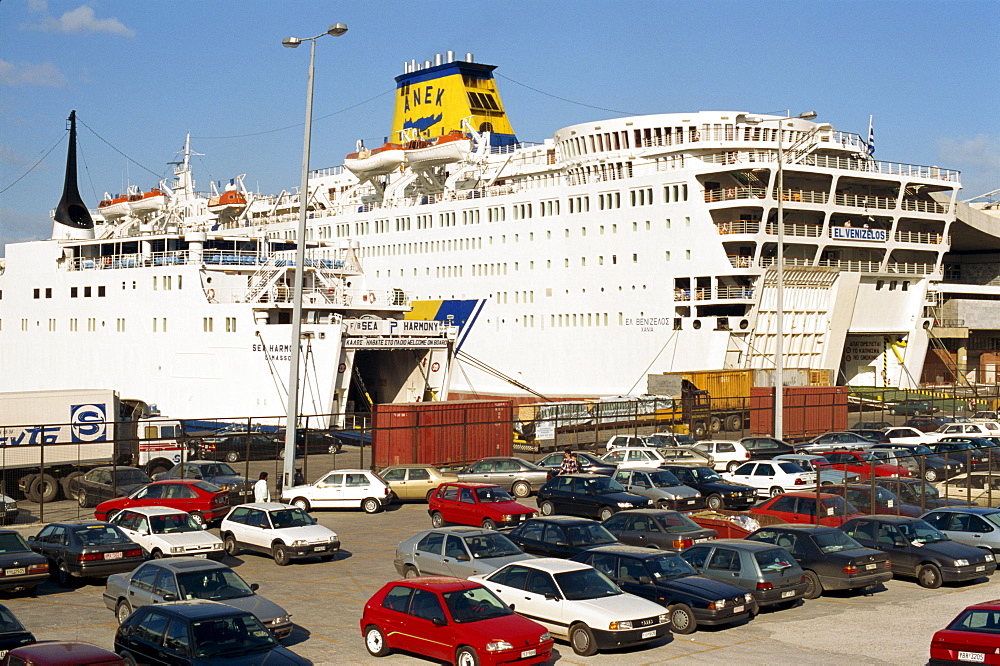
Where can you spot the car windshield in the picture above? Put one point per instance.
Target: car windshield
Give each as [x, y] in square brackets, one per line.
[677, 522]
[12, 543]
[920, 449]
[774, 560]
[838, 506]
[99, 535]
[493, 494]
[212, 584]
[920, 532]
[491, 545]
[664, 479]
[835, 541]
[586, 584]
[667, 567]
[128, 477]
[231, 636]
[474, 605]
[172, 523]
[8, 622]
[589, 535]
[603, 486]
[706, 474]
[218, 469]
[291, 517]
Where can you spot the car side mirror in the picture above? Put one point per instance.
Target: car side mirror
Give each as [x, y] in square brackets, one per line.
[901, 543]
[438, 621]
[645, 580]
[170, 597]
[254, 586]
[552, 596]
[463, 557]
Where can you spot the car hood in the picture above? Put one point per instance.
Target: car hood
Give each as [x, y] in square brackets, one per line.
[307, 533]
[129, 488]
[638, 500]
[264, 609]
[953, 549]
[278, 655]
[187, 538]
[702, 587]
[621, 607]
[227, 480]
[676, 491]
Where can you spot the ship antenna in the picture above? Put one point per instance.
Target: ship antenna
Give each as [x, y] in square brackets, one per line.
[71, 218]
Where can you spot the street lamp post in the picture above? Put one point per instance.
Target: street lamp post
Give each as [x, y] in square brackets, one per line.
[291, 424]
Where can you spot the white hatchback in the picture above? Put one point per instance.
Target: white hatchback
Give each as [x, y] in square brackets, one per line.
[634, 457]
[341, 488]
[907, 435]
[165, 532]
[284, 532]
[727, 454]
[772, 477]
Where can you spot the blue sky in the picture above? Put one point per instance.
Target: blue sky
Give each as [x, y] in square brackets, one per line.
[142, 74]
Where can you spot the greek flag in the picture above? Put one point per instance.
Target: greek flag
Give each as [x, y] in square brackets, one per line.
[871, 139]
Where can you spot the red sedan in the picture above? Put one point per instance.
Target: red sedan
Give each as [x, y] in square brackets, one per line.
[973, 636]
[477, 504]
[801, 508]
[451, 619]
[861, 463]
[206, 502]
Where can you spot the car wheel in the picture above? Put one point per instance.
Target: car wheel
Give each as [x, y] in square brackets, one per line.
[605, 513]
[682, 620]
[123, 611]
[157, 554]
[334, 448]
[521, 489]
[466, 656]
[302, 503]
[429, 494]
[489, 524]
[546, 508]
[375, 641]
[63, 576]
[929, 576]
[814, 588]
[128, 659]
[198, 519]
[232, 456]
[930, 475]
[714, 502]
[732, 465]
[437, 520]
[229, 543]
[775, 491]
[280, 554]
[371, 505]
[581, 638]
[110, 514]
[81, 499]
[411, 572]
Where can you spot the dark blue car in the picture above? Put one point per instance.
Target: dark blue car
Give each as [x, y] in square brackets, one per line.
[588, 495]
[560, 536]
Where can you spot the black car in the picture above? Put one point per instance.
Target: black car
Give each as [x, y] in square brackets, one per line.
[560, 536]
[917, 493]
[220, 473]
[765, 448]
[233, 448]
[968, 454]
[585, 462]
[928, 423]
[106, 482]
[589, 495]
[830, 558]
[929, 465]
[718, 492]
[197, 632]
[311, 441]
[12, 632]
[872, 434]
[987, 445]
[668, 580]
[23, 569]
[657, 528]
[86, 549]
[871, 425]
[917, 549]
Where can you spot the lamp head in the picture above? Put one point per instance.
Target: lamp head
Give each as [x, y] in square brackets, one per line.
[291, 42]
[337, 29]
[807, 115]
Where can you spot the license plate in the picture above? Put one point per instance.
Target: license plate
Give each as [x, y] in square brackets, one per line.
[738, 609]
[870, 566]
[972, 656]
[15, 572]
[527, 653]
[649, 634]
[201, 555]
[113, 556]
[319, 548]
[701, 540]
[690, 502]
[981, 568]
[789, 593]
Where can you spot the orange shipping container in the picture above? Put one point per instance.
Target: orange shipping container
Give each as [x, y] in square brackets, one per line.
[808, 410]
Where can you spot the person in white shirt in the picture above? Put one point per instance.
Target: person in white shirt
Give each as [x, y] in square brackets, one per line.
[261, 493]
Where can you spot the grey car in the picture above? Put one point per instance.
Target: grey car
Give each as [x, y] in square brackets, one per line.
[657, 528]
[518, 476]
[186, 578]
[661, 486]
[977, 526]
[221, 474]
[456, 551]
[768, 572]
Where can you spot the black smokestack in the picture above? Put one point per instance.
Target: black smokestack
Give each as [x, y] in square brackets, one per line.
[71, 211]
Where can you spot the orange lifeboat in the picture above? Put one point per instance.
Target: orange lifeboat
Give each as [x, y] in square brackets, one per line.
[113, 208]
[229, 202]
[375, 162]
[445, 149]
[149, 202]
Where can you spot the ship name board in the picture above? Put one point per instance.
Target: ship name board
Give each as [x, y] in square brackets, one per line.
[372, 342]
[392, 327]
[862, 234]
[647, 324]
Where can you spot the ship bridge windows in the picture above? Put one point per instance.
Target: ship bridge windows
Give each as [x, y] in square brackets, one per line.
[675, 192]
[641, 196]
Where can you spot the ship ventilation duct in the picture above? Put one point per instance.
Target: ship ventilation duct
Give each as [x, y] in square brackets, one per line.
[71, 220]
[470, 58]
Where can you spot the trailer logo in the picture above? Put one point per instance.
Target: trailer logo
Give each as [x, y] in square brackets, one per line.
[88, 423]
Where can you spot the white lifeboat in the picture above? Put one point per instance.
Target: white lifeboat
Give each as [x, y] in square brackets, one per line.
[445, 149]
[149, 202]
[113, 208]
[230, 202]
[376, 162]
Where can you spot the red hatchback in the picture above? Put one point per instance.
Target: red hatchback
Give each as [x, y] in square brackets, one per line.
[451, 619]
[801, 508]
[206, 502]
[860, 462]
[477, 504]
[973, 636]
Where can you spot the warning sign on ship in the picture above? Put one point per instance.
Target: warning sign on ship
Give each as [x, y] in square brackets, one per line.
[341, 368]
[435, 366]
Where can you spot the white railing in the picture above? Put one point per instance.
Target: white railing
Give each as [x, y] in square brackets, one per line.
[734, 292]
[864, 201]
[911, 268]
[740, 261]
[806, 196]
[924, 237]
[923, 206]
[852, 266]
[738, 227]
[789, 261]
[730, 193]
[797, 229]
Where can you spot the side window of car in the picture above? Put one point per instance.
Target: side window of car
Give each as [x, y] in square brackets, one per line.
[124, 519]
[46, 534]
[454, 548]
[630, 570]
[176, 638]
[181, 491]
[398, 598]
[540, 582]
[554, 535]
[572, 484]
[641, 480]
[356, 480]
[140, 523]
[58, 535]
[466, 496]
[426, 605]
[152, 628]
[770, 536]
[745, 470]
[394, 474]
[616, 522]
[431, 543]
[726, 447]
[165, 584]
[887, 535]
[640, 523]
[154, 491]
[482, 467]
[145, 577]
[724, 559]
[977, 524]
[333, 480]
[696, 556]
[257, 518]
[786, 541]
[515, 576]
[615, 457]
[419, 474]
[685, 475]
[450, 493]
[623, 477]
[533, 530]
[863, 530]
[784, 503]
[239, 515]
[763, 470]
[606, 563]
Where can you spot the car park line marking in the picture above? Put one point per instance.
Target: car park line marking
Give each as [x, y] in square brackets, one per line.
[715, 647]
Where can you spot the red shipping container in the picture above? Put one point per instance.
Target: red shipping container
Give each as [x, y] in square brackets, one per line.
[441, 433]
[808, 410]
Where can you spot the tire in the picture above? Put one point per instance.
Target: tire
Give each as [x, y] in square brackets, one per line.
[370, 505]
[775, 491]
[128, 659]
[302, 503]
[732, 466]
[199, 519]
[605, 513]
[411, 572]
[334, 448]
[466, 656]
[521, 489]
[82, 500]
[46, 488]
[929, 576]
[229, 544]
[375, 641]
[698, 431]
[68, 484]
[715, 424]
[157, 554]
[232, 456]
[489, 524]
[280, 453]
[546, 508]
[63, 576]
[734, 423]
[682, 620]
[581, 639]
[715, 502]
[814, 588]
[437, 520]
[122, 611]
[930, 475]
[427, 498]
[280, 554]
[24, 485]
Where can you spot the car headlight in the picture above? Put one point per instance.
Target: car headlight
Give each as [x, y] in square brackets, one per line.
[333, 537]
[281, 619]
[496, 646]
[748, 597]
[663, 618]
[989, 557]
[544, 637]
[961, 563]
[177, 549]
[507, 519]
[618, 626]
[299, 542]
[717, 605]
[216, 546]
[624, 505]
[12, 506]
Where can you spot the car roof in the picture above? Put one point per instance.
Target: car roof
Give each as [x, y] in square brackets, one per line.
[741, 544]
[188, 563]
[438, 583]
[410, 466]
[807, 494]
[978, 510]
[186, 482]
[797, 456]
[889, 518]
[460, 530]
[199, 609]
[78, 523]
[636, 551]
[588, 475]
[553, 565]
[564, 519]
[154, 510]
[57, 652]
[265, 506]
[346, 471]
[649, 512]
[470, 484]
[799, 527]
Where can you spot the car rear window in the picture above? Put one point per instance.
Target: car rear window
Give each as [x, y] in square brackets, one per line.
[99, 535]
[773, 561]
[790, 468]
[979, 620]
[12, 543]
[207, 487]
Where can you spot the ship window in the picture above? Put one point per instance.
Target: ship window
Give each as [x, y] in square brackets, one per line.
[38, 293]
[600, 260]
[677, 323]
[73, 291]
[48, 292]
[668, 223]
[91, 324]
[906, 285]
[583, 261]
[667, 255]
[86, 292]
[100, 291]
[614, 259]
[120, 324]
[879, 284]
[52, 324]
[635, 258]
[687, 254]
[206, 324]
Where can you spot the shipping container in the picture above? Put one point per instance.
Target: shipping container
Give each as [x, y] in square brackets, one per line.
[441, 433]
[808, 411]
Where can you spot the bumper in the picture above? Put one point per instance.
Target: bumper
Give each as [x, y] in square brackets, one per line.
[515, 520]
[854, 582]
[213, 515]
[779, 595]
[971, 572]
[724, 616]
[280, 631]
[607, 640]
[535, 655]
[682, 503]
[400, 567]
[27, 580]
[313, 550]
[103, 569]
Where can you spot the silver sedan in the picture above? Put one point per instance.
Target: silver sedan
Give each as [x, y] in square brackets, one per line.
[518, 476]
[455, 551]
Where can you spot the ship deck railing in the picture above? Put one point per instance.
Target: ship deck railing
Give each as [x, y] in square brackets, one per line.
[209, 258]
[841, 163]
[802, 229]
[737, 226]
[856, 266]
[365, 299]
[734, 292]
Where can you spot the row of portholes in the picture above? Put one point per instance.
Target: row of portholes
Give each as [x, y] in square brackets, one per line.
[721, 324]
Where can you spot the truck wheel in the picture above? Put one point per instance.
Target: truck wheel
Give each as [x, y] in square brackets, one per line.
[24, 485]
[715, 424]
[734, 422]
[45, 488]
[699, 430]
[68, 484]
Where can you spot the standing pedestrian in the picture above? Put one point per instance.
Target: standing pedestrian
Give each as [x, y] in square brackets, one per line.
[568, 465]
[261, 493]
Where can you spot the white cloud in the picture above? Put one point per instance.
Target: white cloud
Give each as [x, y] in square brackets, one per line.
[82, 20]
[980, 152]
[31, 74]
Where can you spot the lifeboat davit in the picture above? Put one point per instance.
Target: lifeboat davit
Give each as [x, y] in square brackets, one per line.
[230, 202]
[149, 202]
[112, 208]
[445, 149]
[376, 162]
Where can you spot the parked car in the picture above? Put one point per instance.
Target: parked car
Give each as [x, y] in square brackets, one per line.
[927, 464]
[978, 429]
[718, 492]
[23, 569]
[8, 510]
[657, 528]
[973, 636]
[767, 572]
[165, 532]
[977, 526]
[85, 549]
[845, 439]
[455, 551]
[928, 423]
[187, 578]
[106, 482]
[235, 447]
[988, 449]
[630, 441]
[726, 455]
[830, 558]
[283, 532]
[959, 449]
[689, 456]
[914, 407]
[908, 435]
[918, 493]
[62, 653]
[772, 478]
[878, 436]
[801, 507]
[585, 462]
[206, 502]
[577, 603]
[826, 474]
[862, 463]
[519, 477]
[240, 488]
[885, 501]
[309, 441]
[918, 550]
[634, 457]
[665, 578]
[590, 495]
[672, 439]
[478, 504]
[982, 488]
[871, 425]
[199, 631]
[12, 632]
[414, 482]
[452, 620]
[341, 488]
[765, 448]
[560, 536]
[662, 487]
